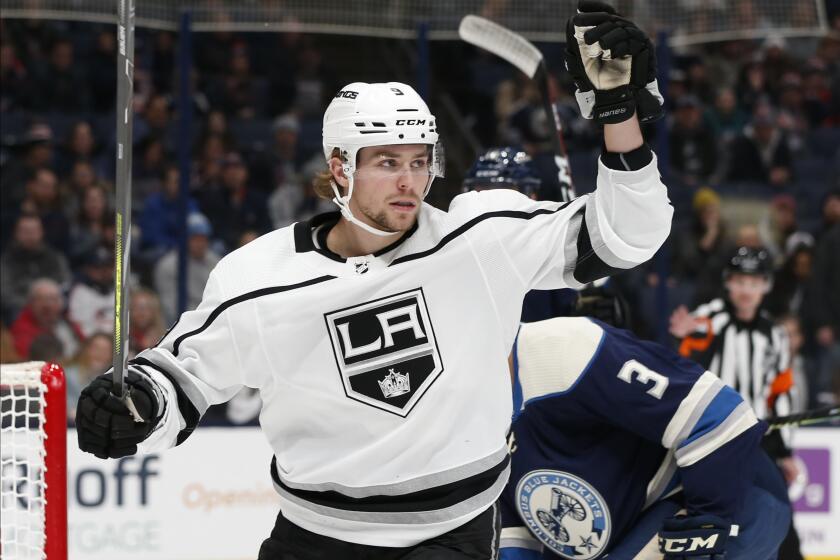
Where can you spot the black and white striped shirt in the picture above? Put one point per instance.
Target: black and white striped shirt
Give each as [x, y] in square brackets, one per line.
[752, 357]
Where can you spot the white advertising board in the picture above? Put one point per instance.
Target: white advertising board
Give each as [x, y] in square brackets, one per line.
[212, 499]
[209, 499]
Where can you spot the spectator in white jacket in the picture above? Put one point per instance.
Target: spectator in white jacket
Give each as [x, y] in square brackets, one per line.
[91, 301]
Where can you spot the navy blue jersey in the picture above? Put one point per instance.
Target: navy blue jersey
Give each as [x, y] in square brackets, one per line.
[606, 425]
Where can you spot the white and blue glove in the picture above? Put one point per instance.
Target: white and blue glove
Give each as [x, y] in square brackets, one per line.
[613, 64]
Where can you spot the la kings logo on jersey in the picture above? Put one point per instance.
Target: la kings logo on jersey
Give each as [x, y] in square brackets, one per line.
[386, 351]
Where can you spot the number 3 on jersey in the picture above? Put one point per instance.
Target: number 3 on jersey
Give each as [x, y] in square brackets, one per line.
[644, 375]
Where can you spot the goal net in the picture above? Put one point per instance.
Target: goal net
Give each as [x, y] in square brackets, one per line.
[33, 462]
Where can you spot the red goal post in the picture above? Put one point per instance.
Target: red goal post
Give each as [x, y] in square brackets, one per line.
[33, 461]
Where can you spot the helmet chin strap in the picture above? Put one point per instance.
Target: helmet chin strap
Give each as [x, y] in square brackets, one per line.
[343, 203]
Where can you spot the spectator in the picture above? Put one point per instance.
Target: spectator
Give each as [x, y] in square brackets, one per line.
[295, 202]
[776, 61]
[163, 61]
[153, 121]
[239, 89]
[247, 236]
[778, 225]
[61, 86]
[150, 164]
[748, 236]
[103, 72]
[827, 314]
[800, 390]
[693, 146]
[816, 95]
[42, 199]
[702, 251]
[46, 348]
[791, 293]
[95, 358]
[209, 165]
[200, 262]
[752, 86]
[90, 227]
[235, 206]
[82, 176]
[146, 324]
[25, 260]
[280, 167]
[36, 153]
[160, 221]
[761, 153]
[8, 354]
[726, 118]
[283, 61]
[216, 124]
[309, 82]
[830, 212]
[81, 145]
[14, 94]
[43, 314]
[91, 299]
[793, 119]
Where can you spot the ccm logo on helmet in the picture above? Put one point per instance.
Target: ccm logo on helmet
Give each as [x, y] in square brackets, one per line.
[411, 121]
[347, 94]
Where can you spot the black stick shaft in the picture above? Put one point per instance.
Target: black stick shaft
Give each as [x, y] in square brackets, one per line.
[125, 96]
[564, 172]
[803, 418]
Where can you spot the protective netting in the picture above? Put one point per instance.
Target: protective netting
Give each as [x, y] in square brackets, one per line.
[688, 21]
[22, 462]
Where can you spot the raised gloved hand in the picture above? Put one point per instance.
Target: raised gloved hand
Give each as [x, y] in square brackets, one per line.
[613, 65]
[694, 537]
[104, 424]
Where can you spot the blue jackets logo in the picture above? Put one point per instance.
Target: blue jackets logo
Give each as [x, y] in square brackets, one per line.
[565, 512]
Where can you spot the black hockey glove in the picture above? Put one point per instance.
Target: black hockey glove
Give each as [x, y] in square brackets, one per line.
[611, 309]
[104, 424]
[694, 537]
[613, 65]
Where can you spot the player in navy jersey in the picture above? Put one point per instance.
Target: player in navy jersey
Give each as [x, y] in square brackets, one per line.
[622, 449]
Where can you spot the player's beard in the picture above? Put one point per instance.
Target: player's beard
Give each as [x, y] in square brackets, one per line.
[383, 222]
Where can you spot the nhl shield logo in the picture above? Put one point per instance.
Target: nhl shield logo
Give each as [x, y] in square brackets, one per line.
[565, 512]
[386, 351]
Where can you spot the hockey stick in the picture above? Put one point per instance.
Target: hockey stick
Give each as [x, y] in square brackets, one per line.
[804, 418]
[125, 114]
[520, 52]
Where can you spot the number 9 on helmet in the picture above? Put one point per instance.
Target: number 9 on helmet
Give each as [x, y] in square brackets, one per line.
[363, 115]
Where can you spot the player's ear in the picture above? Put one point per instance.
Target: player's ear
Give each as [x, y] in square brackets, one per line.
[337, 170]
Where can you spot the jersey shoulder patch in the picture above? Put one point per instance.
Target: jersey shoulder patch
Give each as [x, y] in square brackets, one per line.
[552, 355]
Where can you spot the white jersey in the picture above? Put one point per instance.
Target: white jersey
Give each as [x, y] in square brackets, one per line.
[384, 379]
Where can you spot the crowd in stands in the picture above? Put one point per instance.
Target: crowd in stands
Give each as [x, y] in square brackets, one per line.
[751, 158]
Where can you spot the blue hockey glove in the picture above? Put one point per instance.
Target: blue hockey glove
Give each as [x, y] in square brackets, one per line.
[696, 537]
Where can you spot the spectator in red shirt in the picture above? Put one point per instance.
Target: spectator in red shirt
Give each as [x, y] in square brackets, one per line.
[44, 314]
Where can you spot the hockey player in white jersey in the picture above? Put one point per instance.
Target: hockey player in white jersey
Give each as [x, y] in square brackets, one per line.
[377, 337]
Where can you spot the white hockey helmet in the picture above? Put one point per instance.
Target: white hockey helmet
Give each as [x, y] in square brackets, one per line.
[363, 115]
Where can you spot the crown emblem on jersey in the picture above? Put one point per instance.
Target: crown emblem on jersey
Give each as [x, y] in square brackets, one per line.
[395, 384]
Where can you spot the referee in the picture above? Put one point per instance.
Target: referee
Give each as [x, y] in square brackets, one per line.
[734, 338]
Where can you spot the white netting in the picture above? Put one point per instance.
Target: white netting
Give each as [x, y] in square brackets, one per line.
[22, 462]
[688, 21]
